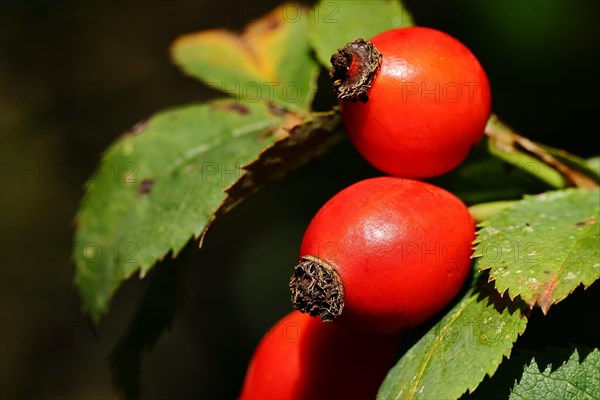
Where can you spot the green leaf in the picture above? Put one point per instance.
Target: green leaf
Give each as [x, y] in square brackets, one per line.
[556, 373]
[544, 246]
[577, 378]
[166, 181]
[269, 61]
[469, 342]
[335, 23]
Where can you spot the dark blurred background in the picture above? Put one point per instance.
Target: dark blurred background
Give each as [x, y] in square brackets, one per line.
[75, 75]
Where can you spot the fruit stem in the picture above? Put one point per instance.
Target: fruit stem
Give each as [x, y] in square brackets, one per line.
[506, 144]
[317, 289]
[353, 69]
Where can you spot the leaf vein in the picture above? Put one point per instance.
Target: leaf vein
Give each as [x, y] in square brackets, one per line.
[435, 345]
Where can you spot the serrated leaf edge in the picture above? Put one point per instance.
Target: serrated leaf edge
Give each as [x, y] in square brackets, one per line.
[433, 347]
[483, 225]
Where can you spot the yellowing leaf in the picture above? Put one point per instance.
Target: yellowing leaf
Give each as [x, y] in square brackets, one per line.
[269, 61]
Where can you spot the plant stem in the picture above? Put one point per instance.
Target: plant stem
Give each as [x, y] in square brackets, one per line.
[531, 157]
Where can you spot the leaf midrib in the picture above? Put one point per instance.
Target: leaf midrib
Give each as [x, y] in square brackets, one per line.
[219, 141]
[435, 345]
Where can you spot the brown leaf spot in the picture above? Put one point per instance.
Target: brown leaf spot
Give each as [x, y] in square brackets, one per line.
[293, 130]
[275, 109]
[236, 107]
[586, 223]
[146, 186]
[273, 24]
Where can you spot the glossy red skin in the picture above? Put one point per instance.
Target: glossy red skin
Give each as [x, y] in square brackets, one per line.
[402, 249]
[406, 131]
[303, 358]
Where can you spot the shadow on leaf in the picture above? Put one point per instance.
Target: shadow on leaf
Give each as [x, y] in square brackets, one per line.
[500, 301]
[164, 298]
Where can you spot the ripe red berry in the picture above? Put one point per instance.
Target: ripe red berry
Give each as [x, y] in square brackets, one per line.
[302, 358]
[384, 254]
[413, 100]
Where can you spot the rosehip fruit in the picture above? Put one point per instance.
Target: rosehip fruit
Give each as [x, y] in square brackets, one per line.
[383, 255]
[413, 100]
[303, 358]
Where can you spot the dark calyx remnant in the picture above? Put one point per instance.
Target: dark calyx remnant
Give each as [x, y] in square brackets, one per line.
[317, 289]
[353, 69]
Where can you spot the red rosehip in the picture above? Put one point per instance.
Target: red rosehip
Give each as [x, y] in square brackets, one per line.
[384, 254]
[302, 358]
[413, 100]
